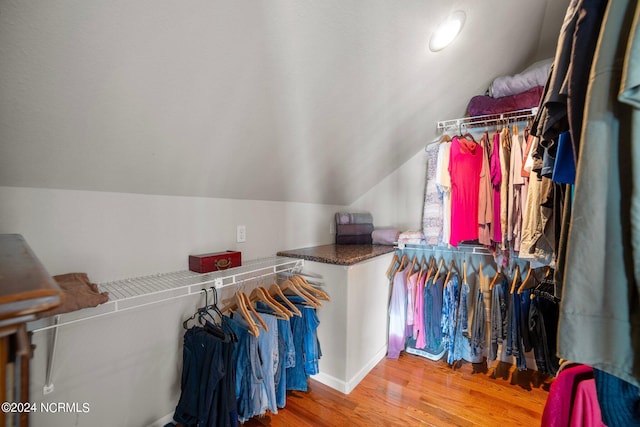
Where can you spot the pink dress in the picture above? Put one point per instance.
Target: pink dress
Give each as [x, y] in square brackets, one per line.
[496, 181]
[465, 165]
[418, 317]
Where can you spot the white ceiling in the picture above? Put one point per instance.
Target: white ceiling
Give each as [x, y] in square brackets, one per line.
[288, 100]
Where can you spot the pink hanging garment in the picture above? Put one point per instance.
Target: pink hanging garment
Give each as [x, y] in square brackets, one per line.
[465, 165]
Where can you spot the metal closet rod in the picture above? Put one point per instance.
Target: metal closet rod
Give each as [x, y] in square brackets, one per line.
[462, 249]
[488, 119]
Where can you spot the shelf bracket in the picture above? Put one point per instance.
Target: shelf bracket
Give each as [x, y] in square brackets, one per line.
[48, 385]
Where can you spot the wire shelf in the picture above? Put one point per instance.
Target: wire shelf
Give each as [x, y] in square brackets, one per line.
[136, 292]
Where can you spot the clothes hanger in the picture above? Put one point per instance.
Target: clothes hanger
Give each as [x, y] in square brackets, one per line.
[251, 309]
[528, 281]
[481, 276]
[257, 294]
[440, 265]
[516, 276]
[452, 266]
[239, 304]
[394, 260]
[314, 291]
[288, 285]
[306, 292]
[275, 302]
[195, 314]
[277, 291]
[495, 279]
[464, 271]
[468, 136]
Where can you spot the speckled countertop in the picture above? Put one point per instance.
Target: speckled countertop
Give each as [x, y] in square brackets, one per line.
[338, 254]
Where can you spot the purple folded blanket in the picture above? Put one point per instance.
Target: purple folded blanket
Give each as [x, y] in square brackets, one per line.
[385, 236]
[354, 240]
[353, 229]
[482, 105]
[353, 218]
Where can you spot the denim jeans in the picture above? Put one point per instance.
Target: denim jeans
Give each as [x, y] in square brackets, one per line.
[249, 374]
[514, 339]
[268, 345]
[498, 317]
[287, 360]
[312, 351]
[543, 323]
[450, 299]
[433, 315]
[478, 338]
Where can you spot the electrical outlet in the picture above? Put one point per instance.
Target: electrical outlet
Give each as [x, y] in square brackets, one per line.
[241, 234]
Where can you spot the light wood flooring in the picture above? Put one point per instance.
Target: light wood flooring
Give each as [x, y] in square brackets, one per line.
[416, 391]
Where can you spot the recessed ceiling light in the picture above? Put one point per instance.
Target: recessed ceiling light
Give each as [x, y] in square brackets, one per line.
[447, 31]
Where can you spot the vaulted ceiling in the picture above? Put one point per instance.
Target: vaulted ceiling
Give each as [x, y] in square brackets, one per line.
[284, 100]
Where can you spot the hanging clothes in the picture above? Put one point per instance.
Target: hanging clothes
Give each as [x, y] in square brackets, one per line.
[477, 330]
[465, 165]
[599, 253]
[516, 184]
[499, 306]
[450, 302]
[432, 216]
[398, 313]
[485, 195]
[418, 324]
[443, 180]
[496, 181]
[433, 305]
[505, 155]
[208, 383]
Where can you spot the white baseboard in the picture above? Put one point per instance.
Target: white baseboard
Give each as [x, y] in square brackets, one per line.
[162, 421]
[347, 387]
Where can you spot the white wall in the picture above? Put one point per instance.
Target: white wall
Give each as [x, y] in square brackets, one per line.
[397, 201]
[127, 365]
[117, 235]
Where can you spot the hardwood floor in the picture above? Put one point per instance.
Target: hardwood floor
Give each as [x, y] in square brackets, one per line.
[417, 391]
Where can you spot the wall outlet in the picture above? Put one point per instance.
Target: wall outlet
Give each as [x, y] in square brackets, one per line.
[332, 227]
[241, 234]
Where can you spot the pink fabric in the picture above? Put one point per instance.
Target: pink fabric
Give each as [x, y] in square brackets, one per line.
[496, 181]
[481, 105]
[418, 318]
[586, 409]
[465, 165]
[557, 410]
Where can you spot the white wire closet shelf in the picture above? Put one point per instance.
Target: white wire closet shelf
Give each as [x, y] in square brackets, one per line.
[460, 249]
[488, 119]
[126, 294]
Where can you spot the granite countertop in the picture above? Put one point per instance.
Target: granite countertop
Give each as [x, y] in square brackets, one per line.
[338, 254]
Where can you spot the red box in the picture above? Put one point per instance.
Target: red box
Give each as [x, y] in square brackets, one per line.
[215, 261]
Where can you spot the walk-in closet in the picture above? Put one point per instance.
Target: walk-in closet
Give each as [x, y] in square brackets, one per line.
[319, 213]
